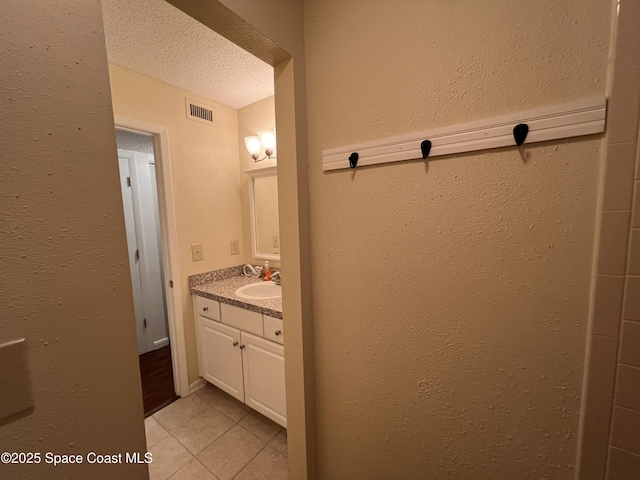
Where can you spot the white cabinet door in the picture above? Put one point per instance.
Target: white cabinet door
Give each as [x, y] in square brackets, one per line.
[263, 364]
[220, 356]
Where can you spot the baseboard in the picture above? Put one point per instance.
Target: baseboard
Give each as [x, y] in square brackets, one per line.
[197, 385]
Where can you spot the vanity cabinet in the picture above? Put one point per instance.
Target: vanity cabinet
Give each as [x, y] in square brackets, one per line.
[234, 356]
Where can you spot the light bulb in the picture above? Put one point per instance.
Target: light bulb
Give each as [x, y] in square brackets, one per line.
[253, 145]
[268, 140]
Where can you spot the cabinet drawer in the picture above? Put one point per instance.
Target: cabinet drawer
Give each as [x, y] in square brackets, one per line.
[208, 308]
[273, 329]
[243, 319]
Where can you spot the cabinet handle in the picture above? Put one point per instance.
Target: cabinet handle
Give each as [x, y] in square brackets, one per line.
[235, 344]
[241, 347]
[278, 333]
[206, 309]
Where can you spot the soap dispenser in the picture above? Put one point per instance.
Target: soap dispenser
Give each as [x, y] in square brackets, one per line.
[266, 272]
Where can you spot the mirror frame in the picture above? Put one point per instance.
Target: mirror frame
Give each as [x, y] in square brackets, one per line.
[253, 174]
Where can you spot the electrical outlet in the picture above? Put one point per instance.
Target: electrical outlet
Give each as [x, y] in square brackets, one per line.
[276, 241]
[235, 247]
[196, 252]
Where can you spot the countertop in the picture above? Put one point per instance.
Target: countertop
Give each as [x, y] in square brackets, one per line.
[225, 291]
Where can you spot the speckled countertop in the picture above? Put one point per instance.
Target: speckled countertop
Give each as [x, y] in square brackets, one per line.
[224, 291]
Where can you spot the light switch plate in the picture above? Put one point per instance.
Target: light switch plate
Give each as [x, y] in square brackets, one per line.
[15, 383]
[276, 241]
[197, 253]
[235, 247]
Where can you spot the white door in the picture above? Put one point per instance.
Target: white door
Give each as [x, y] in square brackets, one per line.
[219, 356]
[132, 247]
[264, 389]
[140, 201]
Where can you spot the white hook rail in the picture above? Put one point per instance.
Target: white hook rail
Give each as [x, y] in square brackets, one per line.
[584, 117]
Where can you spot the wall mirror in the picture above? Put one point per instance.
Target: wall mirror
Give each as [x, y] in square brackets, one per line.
[263, 203]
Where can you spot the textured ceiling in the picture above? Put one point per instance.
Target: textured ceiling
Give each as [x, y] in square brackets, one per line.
[155, 39]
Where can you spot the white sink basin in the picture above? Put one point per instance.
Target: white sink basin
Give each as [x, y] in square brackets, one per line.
[260, 291]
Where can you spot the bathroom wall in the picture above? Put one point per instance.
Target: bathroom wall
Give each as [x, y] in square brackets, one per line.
[252, 119]
[611, 431]
[451, 298]
[206, 178]
[65, 279]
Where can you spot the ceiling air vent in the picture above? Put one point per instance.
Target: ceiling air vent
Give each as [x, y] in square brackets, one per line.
[199, 112]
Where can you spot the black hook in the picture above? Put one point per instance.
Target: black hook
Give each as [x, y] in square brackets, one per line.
[353, 159]
[520, 132]
[425, 146]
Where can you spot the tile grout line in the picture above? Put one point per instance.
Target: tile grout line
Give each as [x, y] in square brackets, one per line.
[196, 455]
[250, 460]
[193, 456]
[188, 451]
[217, 409]
[169, 434]
[628, 365]
[631, 409]
[266, 444]
[207, 446]
[237, 423]
[219, 436]
[624, 450]
[206, 468]
[212, 442]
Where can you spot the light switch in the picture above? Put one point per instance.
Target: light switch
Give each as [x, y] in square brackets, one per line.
[235, 247]
[276, 241]
[196, 252]
[15, 383]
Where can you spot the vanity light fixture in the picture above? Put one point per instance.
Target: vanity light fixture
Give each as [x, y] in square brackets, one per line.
[265, 140]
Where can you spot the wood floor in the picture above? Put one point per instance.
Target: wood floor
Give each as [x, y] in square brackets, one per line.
[157, 380]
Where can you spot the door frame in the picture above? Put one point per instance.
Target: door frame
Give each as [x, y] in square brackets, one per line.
[169, 235]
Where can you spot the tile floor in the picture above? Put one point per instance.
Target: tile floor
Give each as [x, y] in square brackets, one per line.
[211, 436]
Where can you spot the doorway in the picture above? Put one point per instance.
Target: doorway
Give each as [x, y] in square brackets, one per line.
[289, 77]
[137, 166]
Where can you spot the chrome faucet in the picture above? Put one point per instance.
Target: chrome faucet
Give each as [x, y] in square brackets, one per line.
[276, 277]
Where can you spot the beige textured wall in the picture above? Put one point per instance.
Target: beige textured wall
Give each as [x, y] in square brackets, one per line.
[206, 178]
[280, 20]
[451, 299]
[252, 119]
[65, 279]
